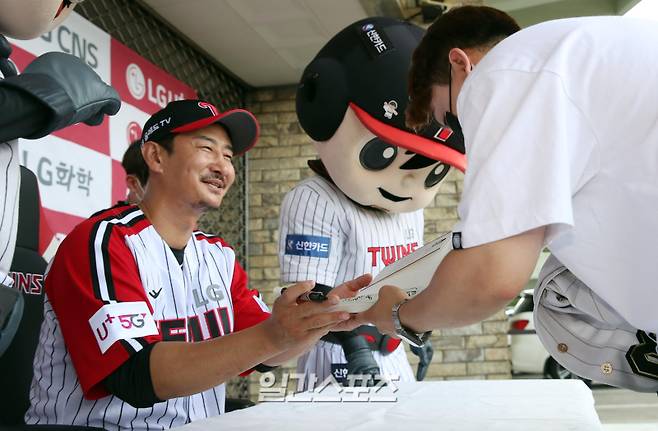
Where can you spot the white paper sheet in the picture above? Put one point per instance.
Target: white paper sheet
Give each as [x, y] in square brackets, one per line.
[412, 274]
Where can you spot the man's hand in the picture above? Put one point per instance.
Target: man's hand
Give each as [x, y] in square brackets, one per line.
[468, 286]
[69, 88]
[296, 325]
[302, 323]
[350, 288]
[380, 313]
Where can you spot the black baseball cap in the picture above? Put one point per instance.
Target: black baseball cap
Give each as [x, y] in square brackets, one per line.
[367, 54]
[188, 115]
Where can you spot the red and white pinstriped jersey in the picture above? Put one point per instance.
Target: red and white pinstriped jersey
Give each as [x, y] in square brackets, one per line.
[114, 286]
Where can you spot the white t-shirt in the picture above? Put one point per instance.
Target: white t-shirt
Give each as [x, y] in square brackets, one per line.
[561, 129]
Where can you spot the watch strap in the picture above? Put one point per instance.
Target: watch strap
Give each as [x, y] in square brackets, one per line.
[417, 340]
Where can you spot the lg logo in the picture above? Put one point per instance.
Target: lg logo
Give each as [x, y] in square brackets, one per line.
[140, 86]
[135, 81]
[134, 131]
[211, 108]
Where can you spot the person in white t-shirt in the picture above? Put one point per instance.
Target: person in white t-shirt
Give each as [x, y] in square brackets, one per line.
[561, 135]
[364, 208]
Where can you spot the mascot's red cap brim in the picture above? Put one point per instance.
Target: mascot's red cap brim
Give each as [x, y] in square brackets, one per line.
[432, 148]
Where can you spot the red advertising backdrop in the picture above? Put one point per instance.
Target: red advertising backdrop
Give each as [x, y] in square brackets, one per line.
[79, 168]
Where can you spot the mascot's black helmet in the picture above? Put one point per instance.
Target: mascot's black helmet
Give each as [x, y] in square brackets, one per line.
[365, 67]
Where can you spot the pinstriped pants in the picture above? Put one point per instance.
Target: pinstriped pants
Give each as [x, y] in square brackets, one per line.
[582, 332]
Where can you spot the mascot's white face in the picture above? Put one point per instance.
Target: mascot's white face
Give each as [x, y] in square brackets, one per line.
[27, 19]
[375, 173]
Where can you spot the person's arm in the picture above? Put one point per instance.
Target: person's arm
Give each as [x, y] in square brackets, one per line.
[468, 286]
[345, 290]
[135, 380]
[180, 368]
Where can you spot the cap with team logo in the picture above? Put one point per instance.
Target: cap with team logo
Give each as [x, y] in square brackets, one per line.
[188, 115]
[365, 67]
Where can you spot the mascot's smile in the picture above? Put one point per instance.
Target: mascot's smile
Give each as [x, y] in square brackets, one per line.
[391, 196]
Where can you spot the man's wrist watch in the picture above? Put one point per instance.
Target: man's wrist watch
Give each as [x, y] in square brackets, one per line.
[417, 340]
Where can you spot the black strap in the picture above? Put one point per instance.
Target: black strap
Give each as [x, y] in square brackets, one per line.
[457, 240]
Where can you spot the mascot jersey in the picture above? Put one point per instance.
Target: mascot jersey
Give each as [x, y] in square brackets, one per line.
[326, 237]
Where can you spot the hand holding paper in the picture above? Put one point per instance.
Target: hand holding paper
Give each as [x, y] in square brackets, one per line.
[412, 274]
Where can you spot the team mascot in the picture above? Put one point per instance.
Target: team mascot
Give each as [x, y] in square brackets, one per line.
[364, 207]
[54, 91]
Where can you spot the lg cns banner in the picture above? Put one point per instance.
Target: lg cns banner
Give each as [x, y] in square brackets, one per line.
[79, 168]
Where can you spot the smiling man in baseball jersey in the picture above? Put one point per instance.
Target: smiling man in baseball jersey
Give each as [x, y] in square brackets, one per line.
[145, 319]
[364, 208]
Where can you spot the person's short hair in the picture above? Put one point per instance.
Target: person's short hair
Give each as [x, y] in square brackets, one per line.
[133, 162]
[463, 27]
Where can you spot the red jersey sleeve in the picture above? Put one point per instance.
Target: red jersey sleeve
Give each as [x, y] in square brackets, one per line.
[248, 307]
[97, 295]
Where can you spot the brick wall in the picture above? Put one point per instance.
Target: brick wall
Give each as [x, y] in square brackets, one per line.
[478, 351]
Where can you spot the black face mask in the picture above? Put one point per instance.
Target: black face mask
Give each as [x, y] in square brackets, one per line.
[451, 119]
[453, 122]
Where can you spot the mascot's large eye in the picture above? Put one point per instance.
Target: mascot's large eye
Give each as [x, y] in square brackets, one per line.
[436, 175]
[377, 154]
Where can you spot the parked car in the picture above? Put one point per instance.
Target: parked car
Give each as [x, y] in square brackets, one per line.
[528, 353]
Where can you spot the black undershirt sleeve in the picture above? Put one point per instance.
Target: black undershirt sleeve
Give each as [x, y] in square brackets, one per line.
[132, 382]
